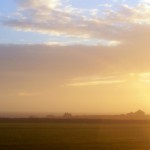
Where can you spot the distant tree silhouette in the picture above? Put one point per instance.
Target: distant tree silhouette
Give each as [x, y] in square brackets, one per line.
[140, 113]
[137, 113]
[67, 115]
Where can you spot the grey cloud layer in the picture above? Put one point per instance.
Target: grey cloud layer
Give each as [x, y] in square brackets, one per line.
[62, 63]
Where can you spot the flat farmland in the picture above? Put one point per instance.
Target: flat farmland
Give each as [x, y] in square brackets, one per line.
[74, 135]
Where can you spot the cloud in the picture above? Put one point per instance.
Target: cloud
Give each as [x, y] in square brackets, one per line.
[38, 4]
[27, 94]
[86, 42]
[59, 18]
[112, 79]
[145, 77]
[96, 80]
[91, 83]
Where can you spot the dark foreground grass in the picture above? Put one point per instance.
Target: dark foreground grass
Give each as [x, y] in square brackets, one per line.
[74, 136]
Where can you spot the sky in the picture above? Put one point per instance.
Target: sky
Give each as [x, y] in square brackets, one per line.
[75, 56]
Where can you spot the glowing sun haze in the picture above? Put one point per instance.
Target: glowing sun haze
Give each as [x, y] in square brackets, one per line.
[76, 56]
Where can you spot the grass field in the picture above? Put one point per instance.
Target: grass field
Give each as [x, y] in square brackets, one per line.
[74, 136]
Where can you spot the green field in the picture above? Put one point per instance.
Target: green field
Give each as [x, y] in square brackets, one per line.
[74, 136]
